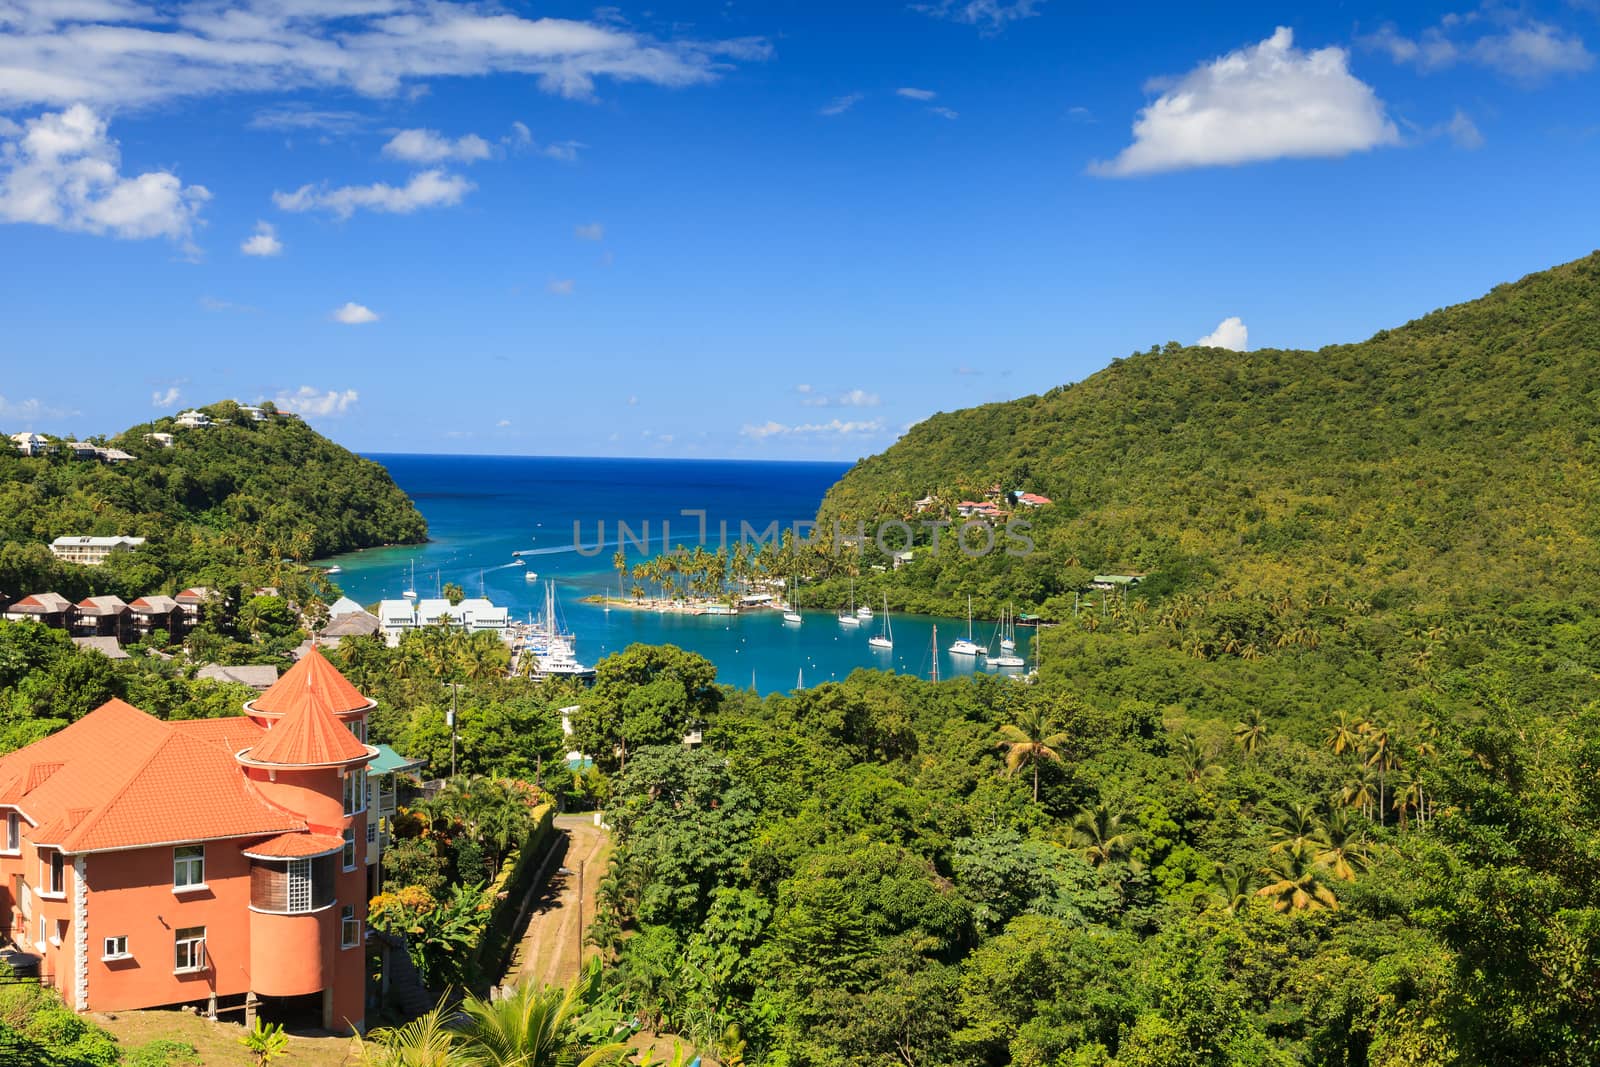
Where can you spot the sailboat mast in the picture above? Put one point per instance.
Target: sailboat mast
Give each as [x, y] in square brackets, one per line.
[936, 652]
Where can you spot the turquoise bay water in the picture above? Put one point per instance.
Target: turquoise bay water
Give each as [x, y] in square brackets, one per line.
[481, 509]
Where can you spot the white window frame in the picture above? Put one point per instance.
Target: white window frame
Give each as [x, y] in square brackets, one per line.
[183, 869]
[347, 921]
[189, 953]
[48, 858]
[13, 833]
[355, 792]
[44, 934]
[348, 857]
[115, 948]
[297, 898]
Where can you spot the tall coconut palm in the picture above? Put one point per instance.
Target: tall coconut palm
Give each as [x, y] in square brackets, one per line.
[1361, 792]
[1032, 740]
[1251, 732]
[531, 1026]
[1198, 766]
[1294, 882]
[1100, 837]
[1382, 758]
[1341, 845]
[1343, 736]
[1294, 826]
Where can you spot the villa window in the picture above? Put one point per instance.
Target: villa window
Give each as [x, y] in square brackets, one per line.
[44, 933]
[291, 887]
[349, 850]
[116, 948]
[13, 832]
[190, 949]
[189, 867]
[359, 729]
[349, 927]
[55, 878]
[355, 791]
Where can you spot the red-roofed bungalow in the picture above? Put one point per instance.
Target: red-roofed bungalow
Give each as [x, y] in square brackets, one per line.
[153, 863]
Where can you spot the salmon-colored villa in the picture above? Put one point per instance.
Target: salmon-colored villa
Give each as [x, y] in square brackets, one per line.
[153, 863]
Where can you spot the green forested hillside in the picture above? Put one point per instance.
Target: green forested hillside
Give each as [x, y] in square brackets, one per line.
[223, 501]
[1453, 458]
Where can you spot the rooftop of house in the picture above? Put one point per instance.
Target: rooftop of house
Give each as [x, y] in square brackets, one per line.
[343, 606]
[260, 676]
[41, 604]
[312, 678]
[309, 734]
[354, 624]
[97, 542]
[102, 605]
[155, 605]
[109, 781]
[388, 761]
[106, 646]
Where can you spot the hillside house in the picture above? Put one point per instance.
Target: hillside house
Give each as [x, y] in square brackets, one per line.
[194, 420]
[163, 439]
[209, 861]
[194, 601]
[49, 609]
[103, 616]
[32, 444]
[152, 613]
[91, 551]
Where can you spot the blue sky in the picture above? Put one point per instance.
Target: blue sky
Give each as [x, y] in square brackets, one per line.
[766, 230]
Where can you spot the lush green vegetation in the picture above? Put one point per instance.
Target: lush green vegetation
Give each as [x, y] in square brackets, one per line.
[1452, 459]
[1144, 858]
[36, 1027]
[224, 505]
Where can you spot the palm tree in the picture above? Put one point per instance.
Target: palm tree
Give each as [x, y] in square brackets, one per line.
[1381, 757]
[1251, 732]
[530, 1026]
[1341, 845]
[1295, 882]
[426, 1041]
[1234, 885]
[1099, 836]
[1031, 741]
[1294, 827]
[1344, 735]
[1196, 762]
[1361, 792]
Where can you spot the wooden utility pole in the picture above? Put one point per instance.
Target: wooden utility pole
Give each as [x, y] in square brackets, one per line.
[580, 918]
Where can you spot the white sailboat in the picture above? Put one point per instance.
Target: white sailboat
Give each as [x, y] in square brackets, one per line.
[410, 591]
[792, 616]
[1008, 657]
[884, 639]
[1008, 634]
[847, 617]
[966, 646]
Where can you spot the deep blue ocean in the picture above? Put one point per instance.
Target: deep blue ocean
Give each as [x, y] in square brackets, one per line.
[481, 509]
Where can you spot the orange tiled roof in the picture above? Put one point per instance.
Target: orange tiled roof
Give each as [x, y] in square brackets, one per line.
[232, 733]
[322, 678]
[309, 734]
[295, 846]
[119, 778]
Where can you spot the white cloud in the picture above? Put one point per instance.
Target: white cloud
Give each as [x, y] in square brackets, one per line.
[1528, 51]
[354, 314]
[264, 242]
[992, 15]
[850, 398]
[592, 231]
[916, 94]
[1267, 101]
[55, 52]
[840, 104]
[430, 146]
[1231, 332]
[562, 151]
[211, 303]
[1463, 131]
[31, 408]
[503, 423]
[561, 286]
[308, 400]
[833, 428]
[166, 398]
[429, 188]
[62, 170]
[945, 112]
[297, 117]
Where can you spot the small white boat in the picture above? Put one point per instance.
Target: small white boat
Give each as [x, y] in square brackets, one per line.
[519, 563]
[1007, 660]
[966, 646]
[884, 639]
[1008, 631]
[335, 569]
[791, 614]
[531, 576]
[863, 612]
[410, 591]
[848, 616]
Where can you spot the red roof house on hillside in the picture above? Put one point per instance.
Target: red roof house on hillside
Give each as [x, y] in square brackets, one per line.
[153, 863]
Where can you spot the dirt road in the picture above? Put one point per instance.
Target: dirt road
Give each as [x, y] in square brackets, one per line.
[548, 952]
